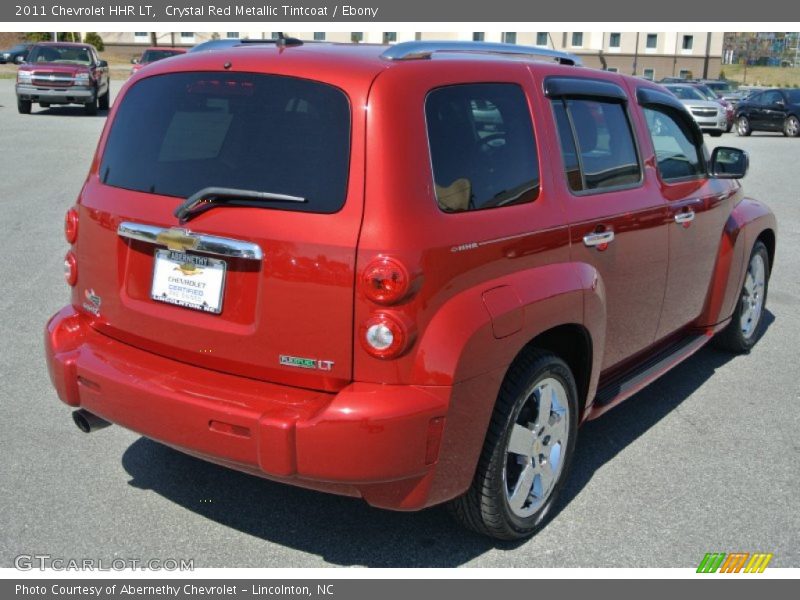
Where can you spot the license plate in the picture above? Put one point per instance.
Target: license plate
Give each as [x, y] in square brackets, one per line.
[187, 280]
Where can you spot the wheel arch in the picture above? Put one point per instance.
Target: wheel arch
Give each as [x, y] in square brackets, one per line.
[749, 222]
[572, 343]
[768, 237]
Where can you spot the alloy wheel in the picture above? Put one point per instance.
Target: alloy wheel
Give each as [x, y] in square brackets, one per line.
[753, 296]
[536, 446]
[792, 127]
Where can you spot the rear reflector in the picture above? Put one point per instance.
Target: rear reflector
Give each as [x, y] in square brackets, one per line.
[435, 430]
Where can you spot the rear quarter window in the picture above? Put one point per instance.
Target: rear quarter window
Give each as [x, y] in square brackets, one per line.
[482, 146]
[176, 134]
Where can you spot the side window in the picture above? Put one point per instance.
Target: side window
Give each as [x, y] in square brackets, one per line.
[678, 157]
[773, 97]
[483, 151]
[597, 144]
[756, 99]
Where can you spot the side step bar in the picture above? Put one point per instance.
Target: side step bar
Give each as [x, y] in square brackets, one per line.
[618, 389]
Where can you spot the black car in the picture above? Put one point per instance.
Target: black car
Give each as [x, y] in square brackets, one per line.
[16, 54]
[770, 110]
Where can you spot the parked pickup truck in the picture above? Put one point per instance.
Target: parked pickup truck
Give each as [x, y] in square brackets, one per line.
[63, 73]
[402, 273]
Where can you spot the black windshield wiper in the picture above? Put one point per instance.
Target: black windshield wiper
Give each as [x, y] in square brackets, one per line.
[206, 198]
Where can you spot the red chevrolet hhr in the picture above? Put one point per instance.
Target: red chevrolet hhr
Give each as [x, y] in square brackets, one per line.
[406, 274]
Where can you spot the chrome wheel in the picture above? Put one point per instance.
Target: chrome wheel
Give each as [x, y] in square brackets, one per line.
[743, 126]
[536, 446]
[791, 127]
[753, 296]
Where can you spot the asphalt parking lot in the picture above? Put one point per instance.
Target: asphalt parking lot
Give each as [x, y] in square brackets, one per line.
[706, 459]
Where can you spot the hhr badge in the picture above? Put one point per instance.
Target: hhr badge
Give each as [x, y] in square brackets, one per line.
[93, 304]
[306, 363]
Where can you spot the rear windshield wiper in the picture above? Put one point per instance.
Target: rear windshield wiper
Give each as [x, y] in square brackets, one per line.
[207, 198]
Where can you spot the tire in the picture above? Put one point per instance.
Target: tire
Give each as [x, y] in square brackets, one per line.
[104, 101]
[747, 323]
[715, 133]
[490, 506]
[743, 128]
[90, 108]
[24, 107]
[791, 126]
[729, 127]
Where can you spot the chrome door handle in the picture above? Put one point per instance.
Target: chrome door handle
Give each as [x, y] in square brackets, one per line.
[684, 218]
[599, 238]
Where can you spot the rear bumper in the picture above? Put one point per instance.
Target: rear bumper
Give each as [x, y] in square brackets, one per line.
[68, 95]
[374, 441]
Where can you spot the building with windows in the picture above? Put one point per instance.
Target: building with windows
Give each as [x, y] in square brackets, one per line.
[653, 55]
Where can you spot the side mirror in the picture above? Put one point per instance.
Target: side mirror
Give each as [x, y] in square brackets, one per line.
[19, 59]
[102, 64]
[728, 163]
[134, 61]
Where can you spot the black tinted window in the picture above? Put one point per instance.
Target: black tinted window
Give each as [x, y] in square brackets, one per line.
[482, 147]
[179, 133]
[154, 55]
[596, 144]
[677, 155]
[67, 55]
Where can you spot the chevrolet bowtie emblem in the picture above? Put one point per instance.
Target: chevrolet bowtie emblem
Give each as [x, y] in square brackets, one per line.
[177, 239]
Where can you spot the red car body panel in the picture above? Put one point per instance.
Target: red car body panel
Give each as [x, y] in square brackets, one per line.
[403, 433]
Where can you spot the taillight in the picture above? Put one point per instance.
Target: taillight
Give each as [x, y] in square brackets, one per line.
[385, 281]
[71, 226]
[384, 335]
[71, 268]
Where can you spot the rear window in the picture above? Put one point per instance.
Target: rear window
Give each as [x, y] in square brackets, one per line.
[482, 147]
[179, 133]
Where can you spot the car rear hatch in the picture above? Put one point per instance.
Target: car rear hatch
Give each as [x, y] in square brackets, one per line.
[259, 287]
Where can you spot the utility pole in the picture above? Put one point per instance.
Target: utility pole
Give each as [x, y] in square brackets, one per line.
[707, 57]
[746, 58]
[636, 55]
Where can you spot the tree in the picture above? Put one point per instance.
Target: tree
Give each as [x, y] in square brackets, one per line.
[38, 36]
[69, 36]
[95, 40]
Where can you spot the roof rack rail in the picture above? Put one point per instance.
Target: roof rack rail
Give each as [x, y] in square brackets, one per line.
[423, 50]
[279, 41]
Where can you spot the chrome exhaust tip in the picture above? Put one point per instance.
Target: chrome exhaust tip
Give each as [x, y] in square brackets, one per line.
[88, 422]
